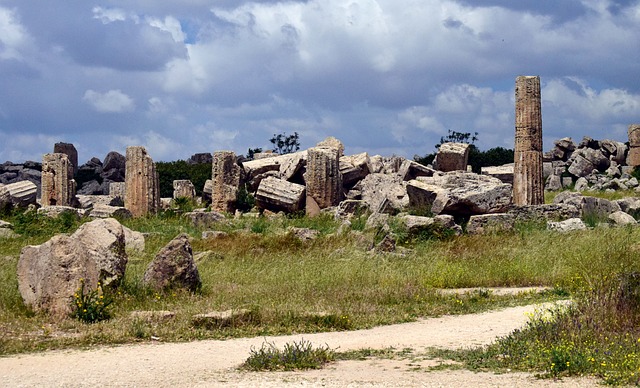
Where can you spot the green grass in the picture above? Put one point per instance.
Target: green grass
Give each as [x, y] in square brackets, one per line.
[295, 356]
[331, 283]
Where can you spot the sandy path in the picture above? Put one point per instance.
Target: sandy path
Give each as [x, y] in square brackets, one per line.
[213, 363]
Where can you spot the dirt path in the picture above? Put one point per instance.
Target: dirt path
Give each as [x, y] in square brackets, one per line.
[213, 363]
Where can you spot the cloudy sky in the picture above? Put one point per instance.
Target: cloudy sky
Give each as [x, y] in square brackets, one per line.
[384, 76]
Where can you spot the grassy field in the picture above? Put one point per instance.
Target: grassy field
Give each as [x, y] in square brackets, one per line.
[330, 283]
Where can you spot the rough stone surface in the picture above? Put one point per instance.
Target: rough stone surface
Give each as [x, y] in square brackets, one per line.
[21, 194]
[219, 319]
[55, 211]
[205, 219]
[50, 273]
[550, 212]
[567, 225]
[311, 207]
[183, 188]
[630, 205]
[332, 142]
[279, 195]
[107, 211]
[528, 184]
[58, 185]
[118, 189]
[71, 152]
[323, 179]
[213, 234]
[142, 189]
[486, 223]
[225, 179]
[452, 157]
[173, 267]
[504, 172]
[587, 205]
[621, 218]
[464, 193]
[305, 234]
[354, 168]
[633, 156]
[409, 170]
[134, 241]
[383, 193]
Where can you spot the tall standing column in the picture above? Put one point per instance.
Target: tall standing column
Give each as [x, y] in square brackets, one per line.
[528, 184]
[142, 189]
[58, 185]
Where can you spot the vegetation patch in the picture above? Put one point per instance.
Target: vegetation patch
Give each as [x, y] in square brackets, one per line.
[295, 356]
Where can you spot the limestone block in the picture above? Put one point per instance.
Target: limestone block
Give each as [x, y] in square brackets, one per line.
[58, 185]
[142, 189]
[323, 179]
[205, 219]
[55, 211]
[554, 183]
[633, 156]
[71, 152]
[452, 157]
[225, 178]
[332, 142]
[292, 166]
[550, 212]
[354, 168]
[410, 169]
[279, 195]
[117, 189]
[253, 168]
[567, 225]
[621, 218]
[486, 223]
[21, 193]
[107, 211]
[380, 191]
[504, 172]
[183, 188]
[173, 267]
[634, 135]
[50, 273]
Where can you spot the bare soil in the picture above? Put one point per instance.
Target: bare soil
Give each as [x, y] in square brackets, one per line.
[214, 363]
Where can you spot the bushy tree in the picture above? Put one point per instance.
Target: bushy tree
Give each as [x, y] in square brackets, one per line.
[285, 144]
[170, 171]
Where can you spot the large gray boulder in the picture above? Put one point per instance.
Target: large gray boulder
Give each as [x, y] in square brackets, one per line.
[383, 193]
[587, 205]
[173, 267]
[49, 274]
[462, 193]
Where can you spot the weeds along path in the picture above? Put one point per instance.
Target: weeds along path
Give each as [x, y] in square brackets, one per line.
[213, 363]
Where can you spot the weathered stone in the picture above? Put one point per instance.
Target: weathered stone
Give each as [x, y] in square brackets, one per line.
[142, 189]
[354, 168]
[528, 184]
[90, 188]
[55, 211]
[107, 211]
[567, 225]
[633, 157]
[323, 179]
[21, 193]
[387, 244]
[173, 267]
[305, 234]
[292, 166]
[630, 205]
[264, 155]
[311, 207]
[49, 274]
[486, 223]
[566, 181]
[595, 157]
[633, 133]
[587, 205]
[58, 185]
[565, 144]
[588, 142]
[332, 142]
[377, 164]
[201, 158]
[422, 195]
[554, 183]
[154, 316]
[621, 218]
[504, 172]
[117, 189]
[134, 241]
[581, 167]
[206, 191]
[114, 161]
[581, 184]
[71, 152]
[614, 150]
[225, 177]
[89, 201]
[410, 170]
[465, 193]
[205, 219]
[382, 191]
[452, 157]
[213, 234]
[349, 207]
[377, 220]
[183, 188]
[550, 212]
[279, 195]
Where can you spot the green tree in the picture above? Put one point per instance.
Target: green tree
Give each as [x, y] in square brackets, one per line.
[180, 169]
[285, 144]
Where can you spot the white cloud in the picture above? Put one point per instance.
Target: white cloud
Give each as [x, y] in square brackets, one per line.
[112, 101]
[13, 35]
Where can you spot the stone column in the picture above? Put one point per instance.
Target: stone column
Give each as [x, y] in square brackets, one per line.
[142, 189]
[183, 188]
[69, 150]
[323, 179]
[58, 185]
[633, 157]
[225, 179]
[528, 183]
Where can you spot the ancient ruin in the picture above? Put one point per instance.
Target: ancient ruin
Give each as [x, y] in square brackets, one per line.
[69, 150]
[142, 191]
[225, 179]
[323, 178]
[58, 185]
[528, 184]
[183, 188]
[633, 157]
[452, 157]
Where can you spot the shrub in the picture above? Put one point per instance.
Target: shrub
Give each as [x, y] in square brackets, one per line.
[296, 355]
[91, 306]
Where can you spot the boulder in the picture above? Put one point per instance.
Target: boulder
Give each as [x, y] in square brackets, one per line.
[201, 158]
[204, 219]
[463, 193]
[567, 225]
[485, 223]
[107, 211]
[55, 211]
[49, 274]
[383, 192]
[550, 212]
[305, 234]
[630, 205]
[621, 218]
[183, 188]
[452, 157]
[134, 241]
[587, 205]
[580, 167]
[173, 267]
[354, 168]
[279, 195]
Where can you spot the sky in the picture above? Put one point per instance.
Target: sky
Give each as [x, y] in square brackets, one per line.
[388, 77]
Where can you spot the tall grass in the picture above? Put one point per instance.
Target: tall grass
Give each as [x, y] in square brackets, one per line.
[330, 283]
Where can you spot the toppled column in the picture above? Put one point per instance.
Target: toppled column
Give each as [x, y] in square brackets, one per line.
[183, 188]
[276, 195]
[528, 183]
[69, 150]
[225, 179]
[58, 185]
[323, 179]
[633, 157]
[142, 189]
[452, 157]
